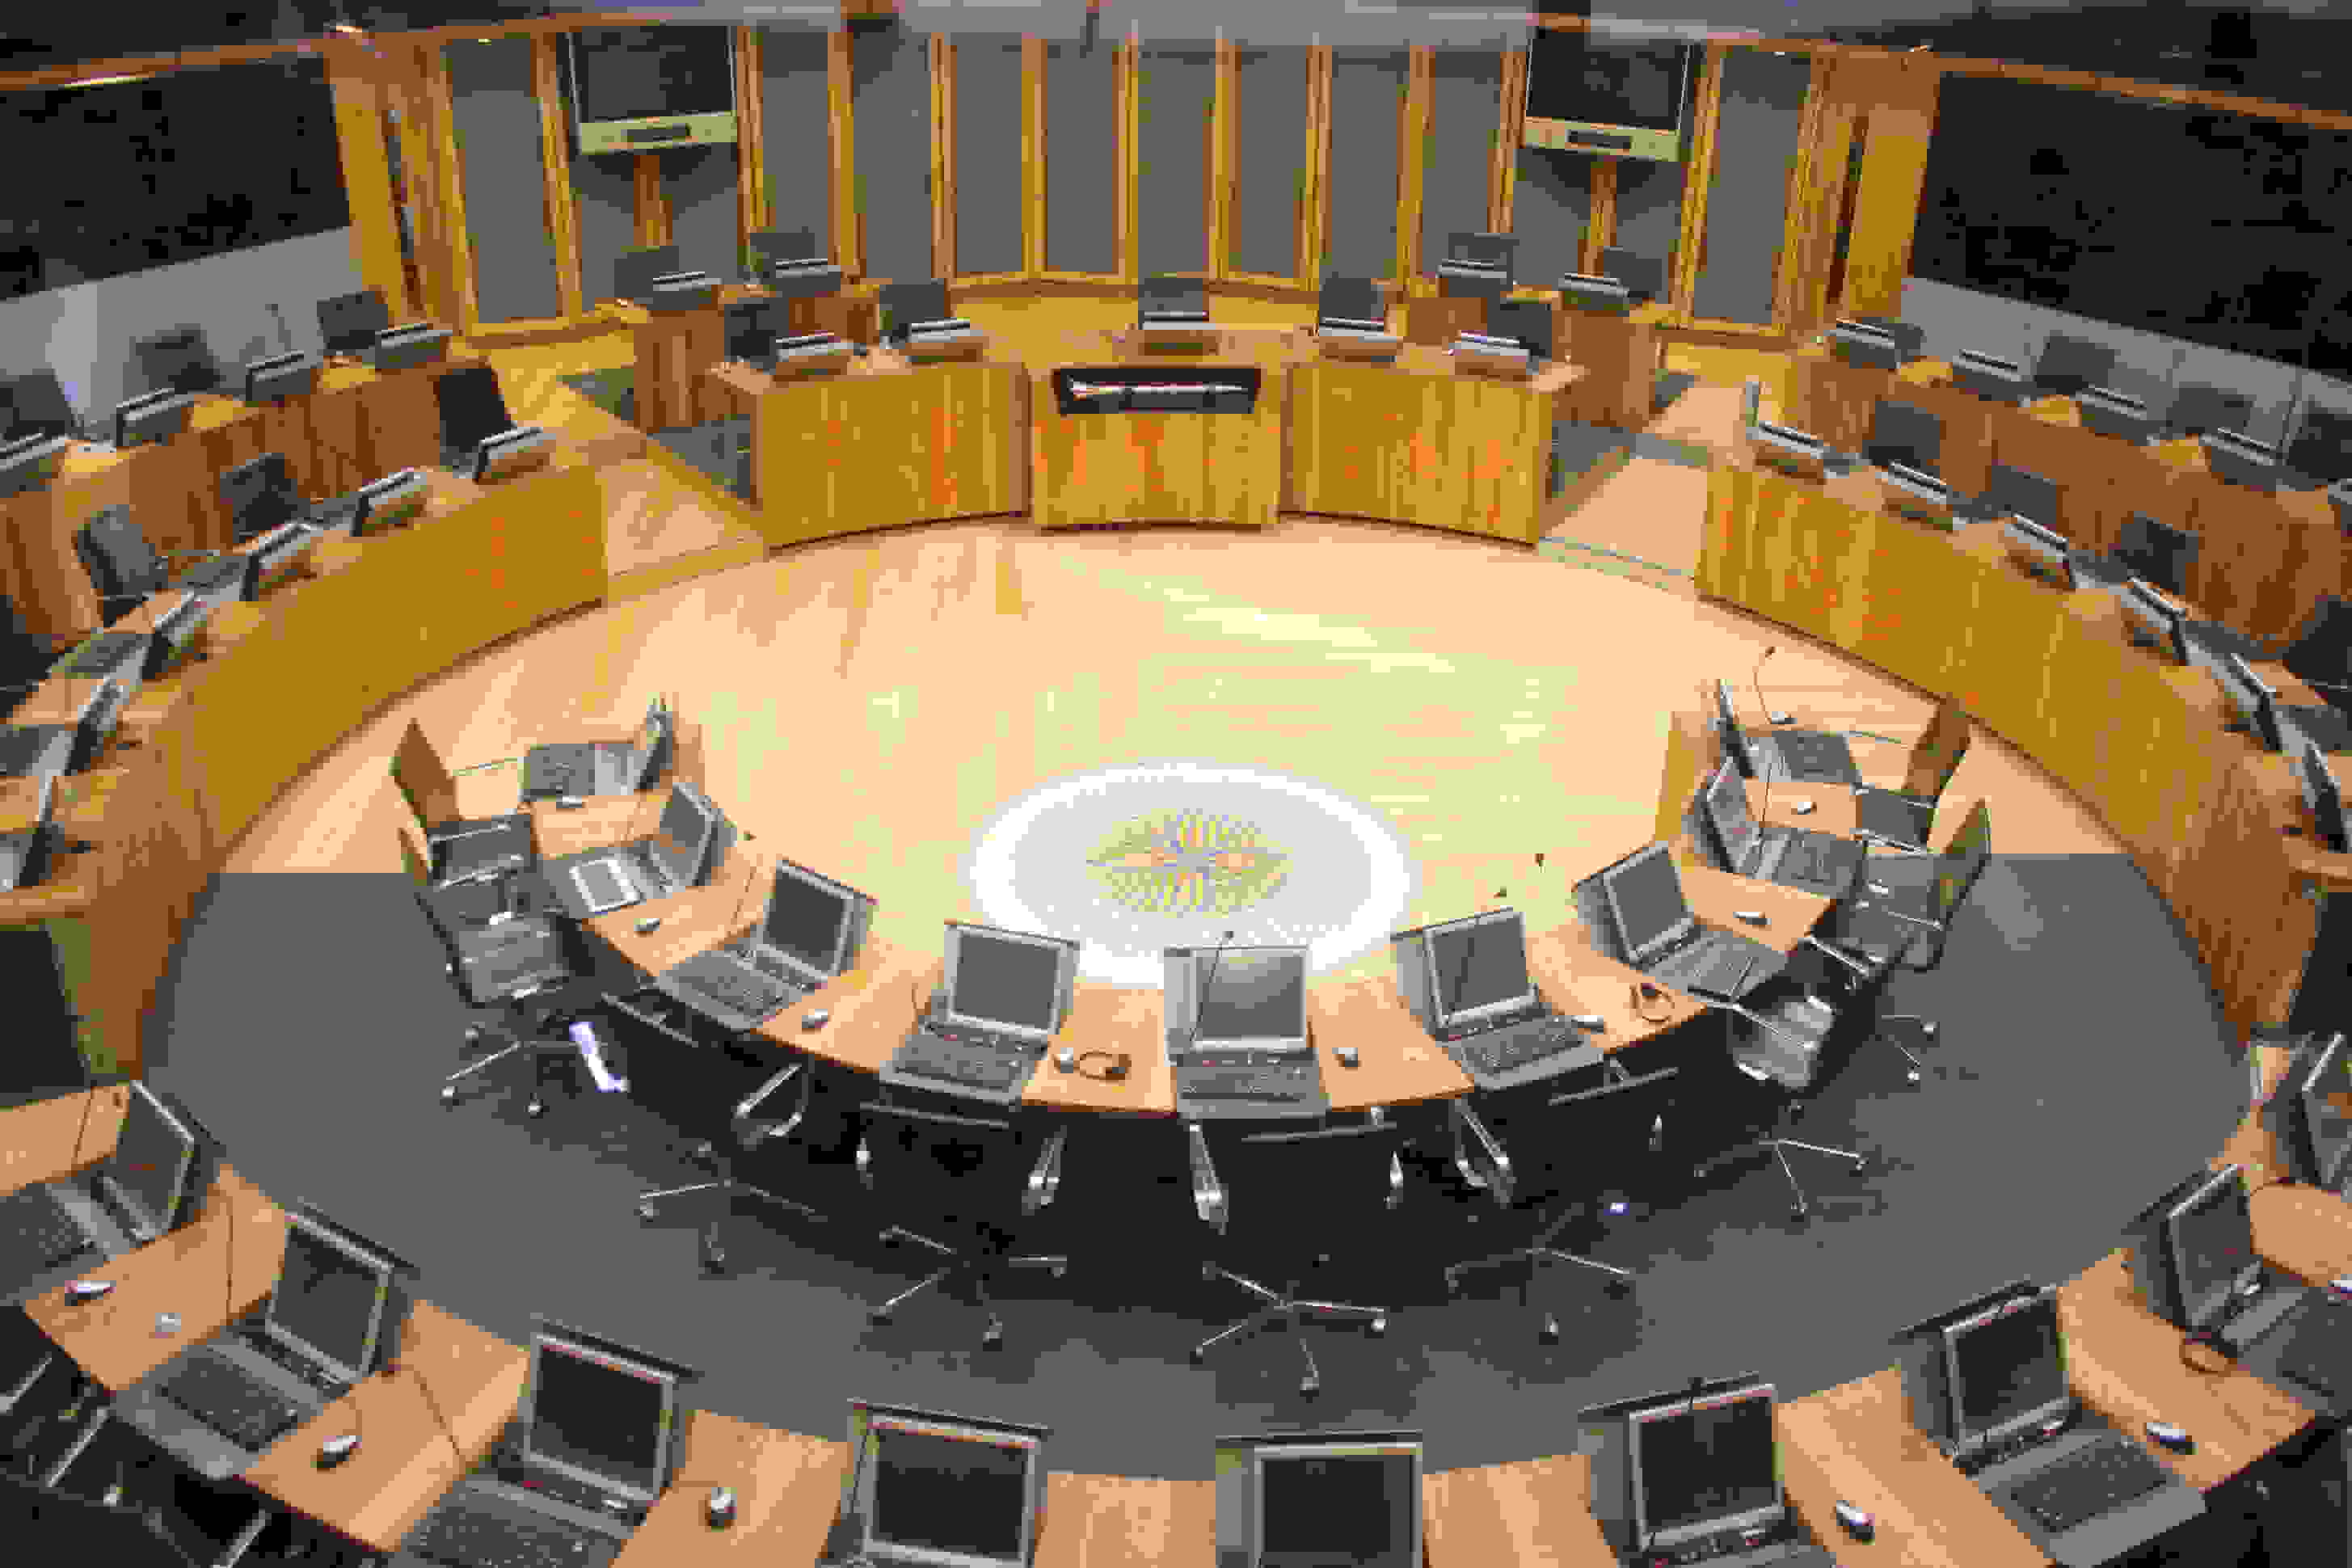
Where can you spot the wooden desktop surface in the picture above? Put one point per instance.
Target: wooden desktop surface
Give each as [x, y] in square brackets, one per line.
[1125, 1522]
[2305, 1231]
[1530, 1510]
[674, 348]
[38, 1142]
[787, 1491]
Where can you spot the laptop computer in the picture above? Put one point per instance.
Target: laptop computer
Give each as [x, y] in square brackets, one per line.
[1821, 863]
[51, 1232]
[24, 855]
[220, 1405]
[1795, 756]
[809, 931]
[28, 750]
[1661, 937]
[668, 861]
[599, 767]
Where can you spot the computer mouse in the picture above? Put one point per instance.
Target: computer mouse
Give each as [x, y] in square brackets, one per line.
[1348, 1057]
[1066, 1059]
[648, 925]
[718, 1509]
[1854, 1521]
[335, 1450]
[1753, 917]
[1588, 1020]
[570, 803]
[2341, 1285]
[2171, 1437]
[817, 1019]
[1802, 807]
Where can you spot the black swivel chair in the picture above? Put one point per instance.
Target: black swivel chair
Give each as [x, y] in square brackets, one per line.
[1906, 819]
[176, 361]
[260, 494]
[1249, 1193]
[459, 849]
[37, 405]
[2198, 408]
[2069, 365]
[1163, 294]
[2322, 447]
[979, 1176]
[764, 1108]
[1349, 299]
[529, 1031]
[2157, 552]
[1788, 1037]
[25, 657]
[1602, 1140]
[2321, 653]
[1644, 276]
[348, 323]
[472, 409]
[123, 566]
[1904, 433]
[904, 304]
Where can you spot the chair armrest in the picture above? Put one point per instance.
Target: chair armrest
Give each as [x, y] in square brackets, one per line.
[1396, 1180]
[1045, 1176]
[1207, 1192]
[1488, 1161]
[1896, 914]
[863, 1161]
[749, 1129]
[1852, 962]
[1880, 841]
[192, 554]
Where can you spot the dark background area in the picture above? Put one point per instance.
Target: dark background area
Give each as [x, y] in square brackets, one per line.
[121, 178]
[2215, 228]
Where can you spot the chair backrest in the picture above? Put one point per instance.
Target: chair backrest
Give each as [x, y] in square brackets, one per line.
[1937, 755]
[259, 494]
[37, 407]
[471, 407]
[633, 272]
[1642, 275]
[907, 302]
[1165, 292]
[349, 323]
[945, 1163]
[1599, 1135]
[1346, 1170]
[655, 738]
[423, 779]
[176, 359]
[1908, 431]
[1350, 299]
[122, 564]
[1963, 861]
[2070, 364]
[2200, 406]
[2322, 650]
[2157, 551]
[2322, 446]
[1490, 249]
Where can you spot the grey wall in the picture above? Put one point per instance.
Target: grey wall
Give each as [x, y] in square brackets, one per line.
[796, 138]
[604, 211]
[1552, 203]
[1269, 159]
[496, 120]
[82, 334]
[1748, 205]
[1465, 93]
[1081, 161]
[1649, 207]
[705, 219]
[1172, 205]
[1366, 101]
[988, 155]
[891, 80]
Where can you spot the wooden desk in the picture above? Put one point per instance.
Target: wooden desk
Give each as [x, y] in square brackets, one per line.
[37, 1142]
[673, 349]
[2125, 1363]
[787, 1491]
[1534, 1511]
[405, 1463]
[1125, 1522]
[1620, 357]
[2305, 1231]
[1857, 1443]
[188, 1272]
[1397, 1062]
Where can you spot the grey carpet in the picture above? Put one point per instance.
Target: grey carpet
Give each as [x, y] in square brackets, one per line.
[2086, 1069]
[614, 390]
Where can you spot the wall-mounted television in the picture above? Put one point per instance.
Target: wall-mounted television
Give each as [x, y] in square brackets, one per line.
[1609, 94]
[639, 90]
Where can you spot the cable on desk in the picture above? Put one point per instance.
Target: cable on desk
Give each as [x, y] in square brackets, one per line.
[1121, 1065]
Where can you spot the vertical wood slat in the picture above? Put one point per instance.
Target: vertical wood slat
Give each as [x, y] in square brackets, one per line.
[652, 201]
[1223, 117]
[1503, 178]
[943, 196]
[848, 217]
[1315, 190]
[403, 72]
[1698, 176]
[751, 136]
[1413, 155]
[1901, 116]
[1033, 157]
[555, 167]
[456, 239]
[1816, 199]
[1600, 227]
[367, 176]
[1128, 99]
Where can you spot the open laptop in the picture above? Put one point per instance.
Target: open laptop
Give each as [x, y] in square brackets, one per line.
[808, 932]
[28, 750]
[1659, 935]
[50, 1232]
[1820, 863]
[669, 861]
[599, 767]
[220, 1405]
[25, 855]
[1795, 756]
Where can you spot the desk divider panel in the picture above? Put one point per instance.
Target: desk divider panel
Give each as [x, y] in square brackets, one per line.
[1082, 152]
[1361, 189]
[795, 134]
[1748, 202]
[605, 202]
[1551, 205]
[701, 183]
[1177, 85]
[496, 113]
[1650, 208]
[987, 132]
[1269, 160]
[890, 97]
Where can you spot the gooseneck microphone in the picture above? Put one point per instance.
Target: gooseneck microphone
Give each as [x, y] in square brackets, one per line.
[1207, 988]
[1756, 680]
[425, 1388]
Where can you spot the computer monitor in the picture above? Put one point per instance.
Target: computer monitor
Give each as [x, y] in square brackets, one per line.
[349, 323]
[811, 921]
[152, 416]
[2020, 492]
[1644, 275]
[2043, 551]
[35, 405]
[633, 272]
[1008, 981]
[31, 464]
[904, 304]
[1239, 998]
[2003, 1367]
[946, 1494]
[1645, 895]
[280, 377]
[333, 1296]
[2322, 797]
[2323, 445]
[509, 452]
[1477, 967]
[2255, 700]
[682, 839]
[2157, 551]
[1734, 737]
[599, 1416]
[1696, 1465]
[1527, 321]
[2208, 1239]
[1904, 433]
[2153, 620]
[2313, 1114]
[752, 326]
[153, 1165]
[1329, 1502]
[1595, 295]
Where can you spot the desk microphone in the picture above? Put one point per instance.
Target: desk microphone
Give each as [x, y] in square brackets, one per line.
[433, 1405]
[1756, 678]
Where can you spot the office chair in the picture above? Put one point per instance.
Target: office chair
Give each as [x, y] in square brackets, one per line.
[1782, 1033]
[348, 323]
[471, 407]
[2321, 653]
[2322, 447]
[25, 655]
[1906, 819]
[527, 1031]
[770, 1113]
[176, 361]
[978, 1175]
[1908, 901]
[260, 494]
[1606, 1135]
[1164, 294]
[459, 848]
[2156, 550]
[1349, 299]
[2198, 408]
[904, 304]
[633, 272]
[1909, 337]
[123, 568]
[1644, 276]
[2068, 364]
[1348, 1169]
[1904, 433]
[38, 406]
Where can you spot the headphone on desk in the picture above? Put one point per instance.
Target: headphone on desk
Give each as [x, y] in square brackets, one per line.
[1645, 996]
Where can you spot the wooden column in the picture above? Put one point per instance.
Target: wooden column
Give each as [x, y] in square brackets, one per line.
[420, 171]
[1699, 175]
[1413, 158]
[1315, 189]
[751, 142]
[1502, 182]
[359, 102]
[1816, 200]
[555, 158]
[1128, 97]
[1601, 229]
[943, 203]
[1223, 105]
[1895, 131]
[848, 219]
[1033, 157]
[653, 201]
[457, 243]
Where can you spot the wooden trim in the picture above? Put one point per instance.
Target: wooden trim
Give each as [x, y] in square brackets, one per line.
[420, 171]
[1413, 158]
[751, 136]
[944, 202]
[1224, 115]
[1896, 131]
[1033, 157]
[367, 177]
[1700, 177]
[1127, 98]
[458, 239]
[555, 161]
[1816, 200]
[1792, 263]
[1315, 193]
[848, 218]
[1600, 227]
[652, 198]
[1502, 179]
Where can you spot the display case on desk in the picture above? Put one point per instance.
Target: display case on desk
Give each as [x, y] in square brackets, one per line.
[1618, 357]
[1111, 462]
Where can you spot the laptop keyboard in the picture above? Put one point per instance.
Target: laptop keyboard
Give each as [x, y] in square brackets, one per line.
[1501, 1051]
[463, 1537]
[737, 990]
[997, 1072]
[224, 1399]
[1817, 758]
[2318, 1352]
[603, 885]
[1289, 1079]
[105, 653]
[1811, 858]
[36, 1234]
[1704, 963]
[2089, 1484]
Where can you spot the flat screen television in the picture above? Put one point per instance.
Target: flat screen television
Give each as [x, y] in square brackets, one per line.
[637, 89]
[1616, 96]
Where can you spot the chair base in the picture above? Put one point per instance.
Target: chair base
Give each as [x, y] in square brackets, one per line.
[725, 1190]
[1532, 1259]
[516, 1045]
[1908, 1034]
[1292, 1310]
[1778, 1147]
[968, 1266]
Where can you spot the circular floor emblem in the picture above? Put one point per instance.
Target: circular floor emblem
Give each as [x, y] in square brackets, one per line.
[1131, 861]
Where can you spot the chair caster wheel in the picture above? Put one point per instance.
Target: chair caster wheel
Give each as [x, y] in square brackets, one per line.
[714, 1263]
[449, 1097]
[1379, 1327]
[1058, 1270]
[1931, 1029]
[1912, 1077]
[1309, 1387]
[534, 1109]
[1198, 1357]
[648, 1212]
[880, 1319]
[889, 1239]
[1798, 1212]
[1618, 1288]
[994, 1337]
[1209, 1271]
[1549, 1334]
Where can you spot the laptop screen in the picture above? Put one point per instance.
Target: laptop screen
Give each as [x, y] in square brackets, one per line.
[1480, 964]
[959, 1498]
[808, 920]
[330, 1298]
[683, 836]
[1735, 739]
[1736, 828]
[1646, 896]
[152, 1159]
[599, 1418]
[1004, 979]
